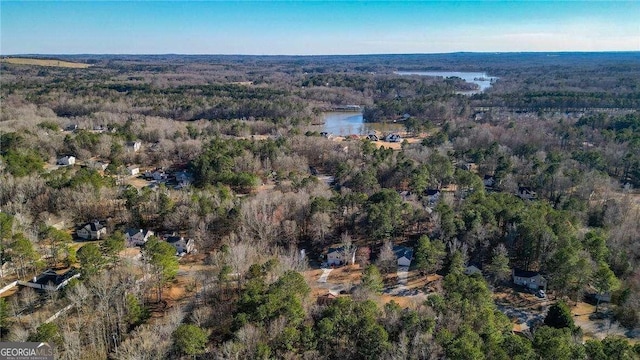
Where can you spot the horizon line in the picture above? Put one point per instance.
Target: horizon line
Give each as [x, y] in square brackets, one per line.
[312, 55]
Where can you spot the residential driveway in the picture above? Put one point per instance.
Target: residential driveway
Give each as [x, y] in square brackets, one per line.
[403, 275]
[401, 289]
[325, 275]
[525, 316]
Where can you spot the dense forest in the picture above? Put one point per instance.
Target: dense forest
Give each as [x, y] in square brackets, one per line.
[537, 174]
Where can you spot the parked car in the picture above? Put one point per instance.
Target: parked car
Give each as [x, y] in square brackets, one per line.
[541, 294]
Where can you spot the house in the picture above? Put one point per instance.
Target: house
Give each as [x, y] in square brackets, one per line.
[133, 170]
[157, 175]
[404, 255]
[50, 280]
[137, 237]
[133, 146]
[183, 246]
[98, 165]
[338, 256]
[604, 297]
[433, 196]
[471, 270]
[71, 127]
[373, 137]
[183, 178]
[326, 135]
[66, 161]
[393, 138]
[526, 193]
[530, 279]
[405, 195]
[489, 181]
[92, 231]
[466, 165]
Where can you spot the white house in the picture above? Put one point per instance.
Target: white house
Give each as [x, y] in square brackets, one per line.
[183, 246]
[92, 231]
[133, 146]
[338, 256]
[137, 237]
[531, 279]
[66, 161]
[133, 170]
[404, 255]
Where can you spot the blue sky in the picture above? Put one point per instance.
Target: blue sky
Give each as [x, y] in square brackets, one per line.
[307, 28]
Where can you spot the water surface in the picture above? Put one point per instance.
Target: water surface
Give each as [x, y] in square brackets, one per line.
[347, 123]
[483, 80]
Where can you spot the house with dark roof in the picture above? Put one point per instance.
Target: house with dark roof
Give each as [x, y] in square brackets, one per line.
[92, 231]
[133, 146]
[489, 181]
[136, 237]
[526, 193]
[433, 196]
[394, 138]
[404, 255]
[530, 279]
[50, 280]
[183, 246]
[66, 160]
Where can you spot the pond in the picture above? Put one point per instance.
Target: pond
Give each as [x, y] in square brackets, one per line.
[347, 123]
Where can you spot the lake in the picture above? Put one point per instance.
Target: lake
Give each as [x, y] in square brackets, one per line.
[347, 123]
[483, 80]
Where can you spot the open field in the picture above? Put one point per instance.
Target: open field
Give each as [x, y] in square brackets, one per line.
[45, 62]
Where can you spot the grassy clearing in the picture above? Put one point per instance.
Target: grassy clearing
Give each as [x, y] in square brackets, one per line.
[44, 62]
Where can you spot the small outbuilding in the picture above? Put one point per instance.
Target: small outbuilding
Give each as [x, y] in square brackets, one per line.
[133, 170]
